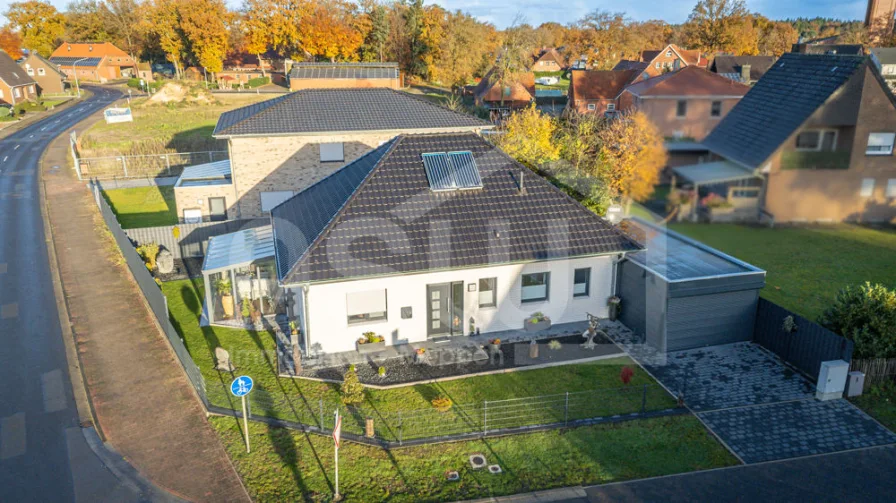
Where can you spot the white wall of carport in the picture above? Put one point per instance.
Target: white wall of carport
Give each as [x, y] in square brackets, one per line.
[327, 323]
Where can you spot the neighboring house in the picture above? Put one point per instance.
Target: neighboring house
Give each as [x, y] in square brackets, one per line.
[434, 236]
[344, 75]
[686, 104]
[828, 45]
[144, 71]
[743, 69]
[548, 60]
[194, 73]
[50, 80]
[15, 84]
[283, 145]
[500, 98]
[885, 59]
[598, 91]
[239, 75]
[93, 62]
[816, 134]
[667, 59]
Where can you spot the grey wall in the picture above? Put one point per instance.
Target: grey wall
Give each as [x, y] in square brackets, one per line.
[630, 287]
[708, 320]
[193, 239]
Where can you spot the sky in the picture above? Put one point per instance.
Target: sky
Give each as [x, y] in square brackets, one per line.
[502, 12]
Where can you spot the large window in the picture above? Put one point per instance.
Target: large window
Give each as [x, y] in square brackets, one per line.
[681, 108]
[271, 199]
[880, 143]
[817, 141]
[331, 152]
[581, 284]
[536, 287]
[867, 189]
[716, 110]
[364, 307]
[487, 292]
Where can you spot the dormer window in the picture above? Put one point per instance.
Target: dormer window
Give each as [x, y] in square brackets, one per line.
[668, 54]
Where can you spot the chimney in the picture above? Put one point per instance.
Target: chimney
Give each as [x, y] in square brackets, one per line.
[745, 73]
[522, 183]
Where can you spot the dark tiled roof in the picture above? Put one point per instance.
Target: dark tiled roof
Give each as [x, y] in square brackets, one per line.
[778, 104]
[11, 73]
[69, 61]
[344, 71]
[392, 223]
[332, 110]
[627, 64]
[723, 64]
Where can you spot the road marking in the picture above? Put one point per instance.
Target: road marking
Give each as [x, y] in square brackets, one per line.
[16, 147]
[5, 157]
[43, 128]
[9, 311]
[12, 436]
[54, 392]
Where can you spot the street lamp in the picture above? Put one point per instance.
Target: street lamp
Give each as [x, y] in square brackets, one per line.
[76, 75]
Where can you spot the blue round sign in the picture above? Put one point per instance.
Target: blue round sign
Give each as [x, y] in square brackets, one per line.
[241, 386]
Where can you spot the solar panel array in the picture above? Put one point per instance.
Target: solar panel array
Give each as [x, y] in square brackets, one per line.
[343, 71]
[451, 171]
[69, 61]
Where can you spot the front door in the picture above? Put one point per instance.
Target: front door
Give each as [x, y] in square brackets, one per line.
[217, 210]
[445, 309]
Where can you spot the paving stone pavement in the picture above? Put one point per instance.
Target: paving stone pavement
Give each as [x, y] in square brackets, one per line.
[794, 429]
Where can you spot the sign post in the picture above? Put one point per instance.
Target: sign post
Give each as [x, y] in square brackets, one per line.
[240, 387]
[337, 434]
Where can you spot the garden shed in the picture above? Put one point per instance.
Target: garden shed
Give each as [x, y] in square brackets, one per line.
[681, 294]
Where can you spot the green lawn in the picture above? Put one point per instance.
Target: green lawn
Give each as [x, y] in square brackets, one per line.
[253, 353]
[290, 466]
[880, 403]
[143, 206]
[806, 266]
[563, 84]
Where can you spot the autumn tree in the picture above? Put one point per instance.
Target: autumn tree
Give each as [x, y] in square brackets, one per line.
[631, 156]
[204, 24]
[374, 46]
[84, 21]
[466, 48]
[10, 42]
[256, 19]
[514, 55]
[123, 18]
[163, 21]
[39, 24]
[284, 22]
[776, 37]
[415, 24]
[717, 25]
[528, 136]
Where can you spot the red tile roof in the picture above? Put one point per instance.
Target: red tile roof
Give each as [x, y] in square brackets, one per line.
[689, 81]
[88, 49]
[488, 90]
[601, 84]
[689, 57]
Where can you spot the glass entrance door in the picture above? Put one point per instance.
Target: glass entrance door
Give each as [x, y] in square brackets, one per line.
[445, 309]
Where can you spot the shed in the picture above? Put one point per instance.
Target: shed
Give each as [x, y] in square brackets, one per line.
[681, 294]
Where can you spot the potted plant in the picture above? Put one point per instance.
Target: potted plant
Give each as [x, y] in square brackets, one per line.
[370, 342]
[538, 321]
[613, 303]
[245, 309]
[293, 328]
[381, 371]
[222, 286]
[420, 355]
[494, 345]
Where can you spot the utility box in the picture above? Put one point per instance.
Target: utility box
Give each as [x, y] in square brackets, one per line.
[855, 383]
[832, 380]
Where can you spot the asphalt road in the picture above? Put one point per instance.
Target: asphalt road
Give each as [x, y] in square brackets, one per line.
[43, 452]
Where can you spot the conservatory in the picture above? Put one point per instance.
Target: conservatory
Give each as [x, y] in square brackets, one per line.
[240, 278]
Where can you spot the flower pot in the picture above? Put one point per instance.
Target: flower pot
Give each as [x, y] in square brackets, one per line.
[494, 348]
[227, 305]
[371, 347]
[538, 325]
[613, 311]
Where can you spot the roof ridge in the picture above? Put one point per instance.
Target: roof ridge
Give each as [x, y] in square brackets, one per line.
[271, 103]
[435, 105]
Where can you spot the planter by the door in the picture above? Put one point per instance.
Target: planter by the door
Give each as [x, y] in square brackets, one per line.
[227, 305]
[538, 325]
[371, 347]
[494, 348]
[613, 310]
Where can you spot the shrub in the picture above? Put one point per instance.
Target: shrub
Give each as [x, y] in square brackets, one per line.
[258, 81]
[714, 200]
[245, 308]
[149, 252]
[381, 371]
[555, 345]
[867, 315]
[352, 390]
[4, 112]
[442, 403]
[134, 82]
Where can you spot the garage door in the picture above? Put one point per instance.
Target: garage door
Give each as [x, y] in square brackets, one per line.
[708, 320]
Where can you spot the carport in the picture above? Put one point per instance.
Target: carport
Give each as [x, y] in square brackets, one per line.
[681, 294]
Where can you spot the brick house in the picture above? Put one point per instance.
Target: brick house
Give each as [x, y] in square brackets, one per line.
[548, 60]
[814, 141]
[686, 104]
[50, 80]
[93, 62]
[598, 91]
[668, 59]
[283, 145]
[15, 84]
[344, 75]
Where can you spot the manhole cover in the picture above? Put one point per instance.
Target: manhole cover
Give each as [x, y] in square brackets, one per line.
[496, 469]
[477, 461]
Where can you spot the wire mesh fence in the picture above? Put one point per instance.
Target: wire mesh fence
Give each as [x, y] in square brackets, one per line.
[143, 166]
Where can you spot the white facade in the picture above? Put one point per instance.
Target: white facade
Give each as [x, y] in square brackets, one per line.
[324, 314]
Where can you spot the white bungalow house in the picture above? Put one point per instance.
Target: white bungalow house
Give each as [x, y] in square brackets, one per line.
[433, 236]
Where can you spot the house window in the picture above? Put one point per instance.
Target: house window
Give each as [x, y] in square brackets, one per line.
[681, 108]
[611, 107]
[31, 89]
[657, 64]
[41, 71]
[668, 54]
[1, 93]
[271, 199]
[364, 307]
[487, 292]
[535, 287]
[867, 189]
[30, 71]
[330, 152]
[581, 283]
[891, 187]
[880, 143]
[817, 140]
[16, 92]
[716, 109]
[591, 106]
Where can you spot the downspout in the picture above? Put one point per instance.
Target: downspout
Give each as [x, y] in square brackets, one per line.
[619, 258]
[306, 319]
[236, 192]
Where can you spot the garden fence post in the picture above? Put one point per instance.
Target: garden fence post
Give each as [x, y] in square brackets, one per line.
[566, 411]
[321, 402]
[644, 399]
[400, 426]
[124, 165]
[484, 417]
[168, 164]
[210, 158]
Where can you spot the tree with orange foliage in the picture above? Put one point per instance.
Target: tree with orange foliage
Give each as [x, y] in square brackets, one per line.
[334, 30]
[256, 18]
[631, 156]
[10, 42]
[38, 23]
[204, 23]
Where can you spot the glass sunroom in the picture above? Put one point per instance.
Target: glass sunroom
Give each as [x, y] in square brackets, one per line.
[240, 278]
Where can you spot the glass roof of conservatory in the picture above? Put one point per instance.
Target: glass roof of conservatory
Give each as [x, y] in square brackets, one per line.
[237, 249]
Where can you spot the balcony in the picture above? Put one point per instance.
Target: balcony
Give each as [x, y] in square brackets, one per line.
[795, 159]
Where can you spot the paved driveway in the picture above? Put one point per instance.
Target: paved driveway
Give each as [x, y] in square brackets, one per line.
[757, 405]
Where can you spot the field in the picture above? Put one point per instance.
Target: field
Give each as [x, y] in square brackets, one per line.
[143, 206]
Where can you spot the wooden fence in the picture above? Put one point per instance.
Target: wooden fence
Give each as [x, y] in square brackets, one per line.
[877, 370]
[804, 348]
[190, 240]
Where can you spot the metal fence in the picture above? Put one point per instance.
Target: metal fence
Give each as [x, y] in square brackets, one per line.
[142, 166]
[190, 240]
[153, 294]
[877, 370]
[805, 347]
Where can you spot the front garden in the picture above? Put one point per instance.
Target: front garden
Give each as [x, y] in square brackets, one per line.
[143, 206]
